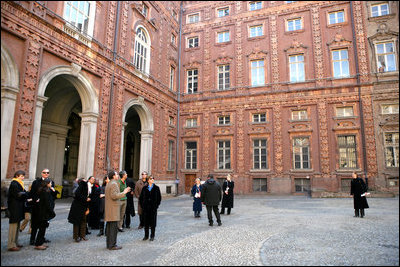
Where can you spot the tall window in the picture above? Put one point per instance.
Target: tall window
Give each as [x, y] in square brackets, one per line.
[81, 15]
[294, 25]
[392, 149]
[172, 78]
[344, 112]
[257, 73]
[223, 37]
[145, 10]
[223, 77]
[298, 115]
[340, 61]
[222, 12]
[379, 10]
[347, 152]
[260, 154]
[255, 5]
[256, 31]
[386, 57]
[224, 155]
[390, 109]
[170, 155]
[191, 155]
[301, 153]
[193, 42]
[336, 17]
[192, 77]
[194, 18]
[142, 49]
[296, 64]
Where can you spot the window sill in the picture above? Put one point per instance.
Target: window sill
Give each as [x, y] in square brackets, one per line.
[382, 18]
[223, 43]
[337, 25]
[294, 32]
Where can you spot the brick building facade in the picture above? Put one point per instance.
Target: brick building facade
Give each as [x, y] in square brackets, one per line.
[285, 96]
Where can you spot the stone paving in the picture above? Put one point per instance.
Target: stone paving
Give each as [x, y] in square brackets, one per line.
[261, 230]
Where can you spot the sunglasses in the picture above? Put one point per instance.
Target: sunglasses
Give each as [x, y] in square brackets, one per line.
[46, 172]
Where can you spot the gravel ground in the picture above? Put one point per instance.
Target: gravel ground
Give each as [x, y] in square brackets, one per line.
[261, 230]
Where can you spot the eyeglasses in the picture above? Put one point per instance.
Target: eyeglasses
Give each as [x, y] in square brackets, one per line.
[151, 178]
[46, 172]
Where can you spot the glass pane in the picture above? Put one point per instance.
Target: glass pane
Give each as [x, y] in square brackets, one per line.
[391, 63]
[335, 55]
[343, 54]
[336, 69]
[380, 48]
[345, 68]
[332, 18]
[340, 16]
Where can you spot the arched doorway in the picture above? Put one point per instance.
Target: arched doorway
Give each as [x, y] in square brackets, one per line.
[132, 130]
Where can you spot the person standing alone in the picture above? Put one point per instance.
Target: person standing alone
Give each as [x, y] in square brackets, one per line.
[358, 188]
[211, 197]
[150, 200]
[227, 199]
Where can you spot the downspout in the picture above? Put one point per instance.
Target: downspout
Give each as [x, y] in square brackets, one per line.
[359, 96]
[178, 100]
[112, 89]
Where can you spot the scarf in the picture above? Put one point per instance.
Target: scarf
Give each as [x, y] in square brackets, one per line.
[20, 182]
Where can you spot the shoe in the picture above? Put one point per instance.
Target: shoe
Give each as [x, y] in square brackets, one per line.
[219, 224]
[210, 224]
[88, 233]
[128, 227]
[115, 248]
[20, 230]
[40, 247]
[100, 233]
[32, 242]
[14, 249]
[145, 238]
[46, 241]
[77, 240]
[84, 239]
[120, 230]
[20, 246]
[151, 238]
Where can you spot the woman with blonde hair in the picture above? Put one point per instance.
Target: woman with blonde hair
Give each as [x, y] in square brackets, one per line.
[196, 193]
[227, 198]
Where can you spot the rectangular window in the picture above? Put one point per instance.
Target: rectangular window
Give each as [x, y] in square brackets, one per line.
[380, 10]
[302, 185]
[255, 5]
[386, 57]
[344, 112]
[347, 152]
[192, 81]
[294, 25]
[345, 185]
[224, 120]
[257, 73]
[172, 78]
[193, 42]
[170, 155]
[192, 122]
[259, 185]
[390, 109]
[223, 77]
[340, 61]
[223, 37]
[259, 117]
[301, 153]
[336, 17]
[191, 155]
[171, 121]
[145, 10]
[298, 115]
[77, 14]
[260, 154]
[256, 31]
[173, 39]
[224, 155]
[222, 12]
[194, 18]
[296, 65]
[392, 149]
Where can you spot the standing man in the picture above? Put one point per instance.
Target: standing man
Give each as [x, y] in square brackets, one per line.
[138, 190]
[150, 200]
[112, 211]
[358, 188]
[122, 185]
[211, 197]
[130, 207]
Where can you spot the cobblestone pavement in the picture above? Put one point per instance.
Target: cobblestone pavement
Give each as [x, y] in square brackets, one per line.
[261, 230]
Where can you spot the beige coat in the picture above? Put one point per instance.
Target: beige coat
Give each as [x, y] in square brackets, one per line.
[112, 201]
[138, 189]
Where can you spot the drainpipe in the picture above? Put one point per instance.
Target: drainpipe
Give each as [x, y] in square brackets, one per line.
[179, 99]
[359, 96]
[112, 89]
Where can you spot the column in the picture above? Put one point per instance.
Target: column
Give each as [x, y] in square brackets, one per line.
[146, 143]
[87, 144]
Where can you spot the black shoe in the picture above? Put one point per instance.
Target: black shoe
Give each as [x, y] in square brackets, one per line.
[46, 241]
[128, 227]
[77, 240]
[120, 230]
[151, 238]
[145, 238]
[32, 242]
[100, 233]
[219, 224]
[210, 224]
[88, 233]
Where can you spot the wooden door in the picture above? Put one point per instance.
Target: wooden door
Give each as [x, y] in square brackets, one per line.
[189, 182]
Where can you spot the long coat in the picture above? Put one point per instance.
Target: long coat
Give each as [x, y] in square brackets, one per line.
[359, 187]
[211, 193]
[150, 201]
[16, 199]
[43, 210]
[196, 200]
[138, 190]
[94, 206]
[79, 204]
[112, 202]
[130, 207]
[227, 199]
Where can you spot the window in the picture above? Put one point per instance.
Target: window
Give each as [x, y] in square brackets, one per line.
[379, 10]
[224, 120]
[192, 77]
[392, 149]
[256, 31]
[171, 121]
[191, 155]
[386, 57]
[340, 61]
[193, 42]
[345, 184]
[296, 65]
[194, 18]
[224, 155]
[289, 2]
[192, 122]
[336, 17]
[222, 12]
[344, 112]
[142, 50]
[294, 24]
[255, 5]
[260, 154]
[223, 77]
[174, 14]
[257, 73]
[298, 115]
[390, 109]
[173, 39]
[81, 15]
[145, 10]
[259, 185]
[302, 185]
[223, 37]
[170, 155]
[347, 152]
[301, 153]
[259, 117]
[172, 78]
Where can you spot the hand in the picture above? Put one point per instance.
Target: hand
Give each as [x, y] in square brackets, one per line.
[88, 199]
[102, 195]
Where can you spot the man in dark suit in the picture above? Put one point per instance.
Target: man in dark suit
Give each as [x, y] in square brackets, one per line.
[211, 195]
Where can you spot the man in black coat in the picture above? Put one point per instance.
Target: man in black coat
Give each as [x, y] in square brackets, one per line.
[358, 187]
[211, 195]
[130, 208]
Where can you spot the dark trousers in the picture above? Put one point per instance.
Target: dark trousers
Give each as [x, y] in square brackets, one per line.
[223, 210]
[127, 220]
[216, 212]
[33, 233]
[111, 234]
[40, 236]
[141, 220]
[80, 229]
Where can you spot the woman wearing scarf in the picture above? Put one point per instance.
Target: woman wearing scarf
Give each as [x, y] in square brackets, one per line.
[150, 199]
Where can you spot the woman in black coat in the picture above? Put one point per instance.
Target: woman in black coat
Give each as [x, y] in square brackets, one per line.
[102, 205]
[196, 193]
[78, 209]
[150, 199]
[227, 198]
[358, 187]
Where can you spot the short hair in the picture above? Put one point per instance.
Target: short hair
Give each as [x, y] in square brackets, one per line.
[122, 173]
[144, 172]
[210, 176]
[111, 174]
[19, 173]
[90, 177]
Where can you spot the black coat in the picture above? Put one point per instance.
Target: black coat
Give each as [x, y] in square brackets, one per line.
[359, 187]
[211, 193]
[94, 207]
[227, 199]
[42, 211]
[130, 207]
[16, 199]
[150, 201]
[34, 189]
[79, 204]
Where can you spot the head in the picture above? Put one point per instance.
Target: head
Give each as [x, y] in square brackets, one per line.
[229, 177]
[354, 175]
[210, 176]
[150, 180]
[197, 181]
[45, 173]
[91, 179]
[105, 180]
[123, 175]
[19, 175]
[44, 185]
[144, 176]
[113, 175]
